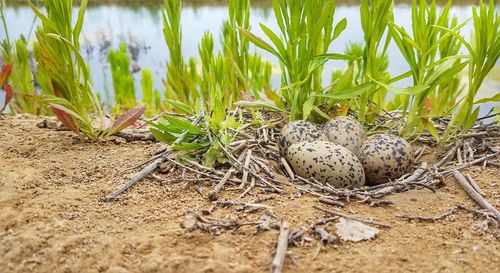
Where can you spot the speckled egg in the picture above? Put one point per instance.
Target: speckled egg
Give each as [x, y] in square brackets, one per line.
[299, 131]
[345, 131]
[326, 162]
[385, 157]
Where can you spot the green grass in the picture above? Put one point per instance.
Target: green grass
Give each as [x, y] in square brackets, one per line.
[123, 80]
[58, 57]
[483, 53]
[434, 65]
[65, 81]
[150, 96]
[306, 32]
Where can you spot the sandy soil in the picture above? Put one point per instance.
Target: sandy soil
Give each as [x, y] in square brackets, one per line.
[52, 219]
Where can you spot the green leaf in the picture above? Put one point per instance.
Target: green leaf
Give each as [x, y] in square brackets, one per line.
[162, 136]
[184, 125]
[349, 93]
[431, 128]
[339, 28]
[190, 146]
[308, 107]
[495, 98]
[258, 104]
[275, 39]
[79, 22]
[182, 107]
[471, 120]
[260, 43]
[412, 90]
[270, 94]
[336, 56]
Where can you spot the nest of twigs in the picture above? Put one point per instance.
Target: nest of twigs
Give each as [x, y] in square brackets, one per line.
[255, 166]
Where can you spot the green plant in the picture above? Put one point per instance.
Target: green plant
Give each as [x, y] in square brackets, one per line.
[57, 54]
[260, 72]
[236, 47]
[177, 83]
[22, 81]
[208, 138]
[484, 51]
[444, 98]
[70, 96]
[375, 15]
[123, 81]
[307, 31]
[431, 68]
[150, 97]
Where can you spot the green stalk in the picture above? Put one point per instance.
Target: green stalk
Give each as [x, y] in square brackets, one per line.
[123, 81]
[172, 32]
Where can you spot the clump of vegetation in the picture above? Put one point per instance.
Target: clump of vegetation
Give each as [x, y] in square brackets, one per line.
[483, 53]
[57, 55]
[69, 95]
[434, 65]
[307, 31]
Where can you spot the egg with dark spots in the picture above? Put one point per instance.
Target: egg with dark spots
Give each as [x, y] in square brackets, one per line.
[299, 131]
[385, 157]
[327, 163]
[345, 131]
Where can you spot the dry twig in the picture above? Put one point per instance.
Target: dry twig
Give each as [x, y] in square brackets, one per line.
[475, 195]
[352, 217]
[282, 246]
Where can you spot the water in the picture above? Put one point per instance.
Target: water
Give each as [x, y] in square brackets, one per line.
[142, 25]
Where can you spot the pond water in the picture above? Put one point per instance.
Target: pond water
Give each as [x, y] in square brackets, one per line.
[141, 25]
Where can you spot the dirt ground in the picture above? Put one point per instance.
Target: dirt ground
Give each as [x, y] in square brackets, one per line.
[52, 219]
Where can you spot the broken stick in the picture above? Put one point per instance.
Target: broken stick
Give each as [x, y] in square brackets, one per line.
[281, 248]
[352, 217]
[475, 195]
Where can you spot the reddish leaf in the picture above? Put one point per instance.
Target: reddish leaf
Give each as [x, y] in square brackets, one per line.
[126, 119]
[4, 74]
[8, 95]
[64, 117]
